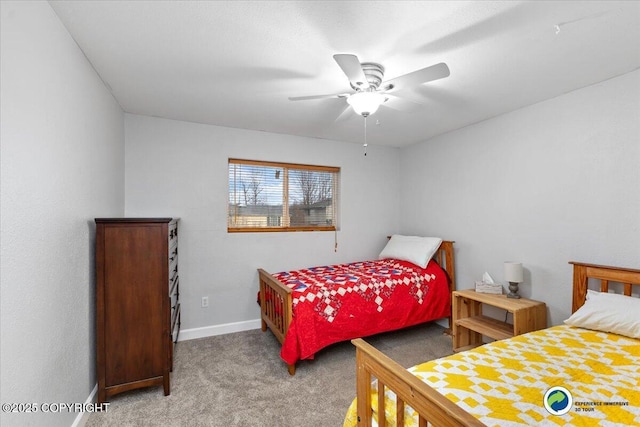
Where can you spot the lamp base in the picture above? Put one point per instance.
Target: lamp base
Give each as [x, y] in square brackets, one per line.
[513, 290]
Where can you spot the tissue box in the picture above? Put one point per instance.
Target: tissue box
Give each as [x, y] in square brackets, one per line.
[488, 288]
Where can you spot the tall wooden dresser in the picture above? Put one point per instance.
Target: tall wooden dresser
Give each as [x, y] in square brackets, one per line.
[137, 303]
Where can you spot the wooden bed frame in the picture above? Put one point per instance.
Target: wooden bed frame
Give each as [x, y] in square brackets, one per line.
[276, 299]
[431, 406]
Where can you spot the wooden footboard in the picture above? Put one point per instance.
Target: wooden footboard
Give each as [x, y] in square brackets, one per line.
[431, 406]
[275, 307]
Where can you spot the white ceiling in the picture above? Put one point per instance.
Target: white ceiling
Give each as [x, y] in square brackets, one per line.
[235, 63]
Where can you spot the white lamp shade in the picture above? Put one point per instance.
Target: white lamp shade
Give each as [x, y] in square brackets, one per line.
[366, 103]
[513, 272]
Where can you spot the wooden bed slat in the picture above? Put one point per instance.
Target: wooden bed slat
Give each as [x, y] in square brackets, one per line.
[382, 421]
[363, 388]
[400, 411]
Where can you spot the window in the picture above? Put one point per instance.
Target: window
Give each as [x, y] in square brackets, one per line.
[268, 196]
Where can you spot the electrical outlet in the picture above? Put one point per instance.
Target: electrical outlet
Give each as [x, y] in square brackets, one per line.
[205, 302]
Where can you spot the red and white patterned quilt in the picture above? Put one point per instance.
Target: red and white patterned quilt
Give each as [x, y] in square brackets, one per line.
[342, 302]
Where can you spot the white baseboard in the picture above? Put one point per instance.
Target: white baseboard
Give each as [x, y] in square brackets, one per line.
[443, 322]
[210, 331]
[247, 325]
[82, 417]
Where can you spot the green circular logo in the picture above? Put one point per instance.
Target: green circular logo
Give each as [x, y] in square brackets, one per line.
[558, 400]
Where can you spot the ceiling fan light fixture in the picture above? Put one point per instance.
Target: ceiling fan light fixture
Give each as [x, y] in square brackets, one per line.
[366, 103]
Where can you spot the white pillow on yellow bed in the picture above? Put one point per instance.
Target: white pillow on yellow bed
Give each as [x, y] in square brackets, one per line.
[607, 312]
[418, 250]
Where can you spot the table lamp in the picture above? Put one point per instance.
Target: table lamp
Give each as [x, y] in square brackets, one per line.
[514, 274]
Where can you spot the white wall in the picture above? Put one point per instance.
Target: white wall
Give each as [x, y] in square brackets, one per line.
[179, 169]
[62, 164]
[544, 185]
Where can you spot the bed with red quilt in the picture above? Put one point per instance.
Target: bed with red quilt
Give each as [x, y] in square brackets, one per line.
[310, 309]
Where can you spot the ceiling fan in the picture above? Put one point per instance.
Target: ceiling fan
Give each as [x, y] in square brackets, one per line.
[370, 91]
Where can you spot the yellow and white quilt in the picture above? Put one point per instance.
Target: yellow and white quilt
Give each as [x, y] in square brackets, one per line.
[504, 383]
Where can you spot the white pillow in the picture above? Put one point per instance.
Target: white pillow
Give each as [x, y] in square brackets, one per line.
[417, 250]
[607, 312]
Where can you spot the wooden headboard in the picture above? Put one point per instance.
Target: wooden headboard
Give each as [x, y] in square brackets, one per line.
[445, 259]
[629, 277]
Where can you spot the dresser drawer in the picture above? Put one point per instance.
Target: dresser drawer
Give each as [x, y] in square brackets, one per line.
[175, 323]
[173, 253]
[174, 296]
[173, 274]
[175, 332]
[173, 233]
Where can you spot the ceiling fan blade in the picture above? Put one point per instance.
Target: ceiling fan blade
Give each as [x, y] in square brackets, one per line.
[346, 114]
[350, 65]
[402, 104]
[416, 78]
[305, 98]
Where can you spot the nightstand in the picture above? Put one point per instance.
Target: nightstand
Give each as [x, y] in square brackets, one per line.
[469, 325]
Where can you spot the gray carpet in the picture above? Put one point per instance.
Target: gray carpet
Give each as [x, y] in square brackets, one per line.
[239, 380]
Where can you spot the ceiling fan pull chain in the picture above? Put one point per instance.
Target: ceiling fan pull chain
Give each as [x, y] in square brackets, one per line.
[365, 136]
